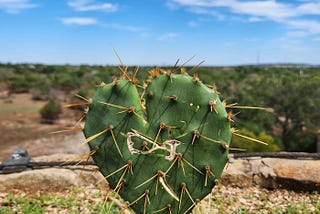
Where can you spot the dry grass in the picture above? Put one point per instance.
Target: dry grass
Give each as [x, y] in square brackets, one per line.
[222, 200]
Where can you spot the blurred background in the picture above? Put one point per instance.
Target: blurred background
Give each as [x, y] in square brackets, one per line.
[255, 53]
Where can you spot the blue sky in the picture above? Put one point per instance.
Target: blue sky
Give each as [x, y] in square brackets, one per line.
[158, 32]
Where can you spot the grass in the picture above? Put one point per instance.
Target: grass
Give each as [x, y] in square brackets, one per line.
[20, 103]
[76, 202]
[255, 200]
[222, 200]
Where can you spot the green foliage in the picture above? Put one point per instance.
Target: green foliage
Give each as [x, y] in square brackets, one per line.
[18, 84]
[163, 148]
[290, 93]
[40, 91]
[249, 146]
[50, 112]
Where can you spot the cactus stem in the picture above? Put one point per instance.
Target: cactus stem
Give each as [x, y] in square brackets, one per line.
[196, 134]
[214, 88]
[67, 130]
[180, 163]
[81, 97]
[237, 149]
[208, 174]
[168, 207]
[146, 199]
[234, 106]
[196, 78]
[76, 104]
[183, 63]
[212, 105]
[128, 165]
[85, 156]
[169, 73]
[154, 73]
[172, 97]
[162, 126]
[224, 144]
[114, 140]
[184, 189]
[120, 182]
[193, 167]
[117, 190]
[171, 165]
[115, 82]
[147, 181]
[167, 188]
[249, 138]
[176, 64]
[183, 71]
[196, 66]
[230, 116]
[134, 79]
[95, 136]
[125, 109]
[81, 118]
[102, 84]
[140, 86]
[113, 105]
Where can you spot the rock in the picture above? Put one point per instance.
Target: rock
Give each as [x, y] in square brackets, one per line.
[269, 173]
[273, 173]
[50, 180]
[53, 179]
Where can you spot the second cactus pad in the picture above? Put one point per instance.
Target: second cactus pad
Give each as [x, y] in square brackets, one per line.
[162, 149]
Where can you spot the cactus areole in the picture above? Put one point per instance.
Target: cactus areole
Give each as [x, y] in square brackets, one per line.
[163, 149]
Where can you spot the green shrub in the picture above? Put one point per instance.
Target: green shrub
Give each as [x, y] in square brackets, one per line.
[50, 112]
[40, 91]
[249, 146]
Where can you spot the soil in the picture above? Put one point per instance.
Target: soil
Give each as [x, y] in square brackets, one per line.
[21, 127]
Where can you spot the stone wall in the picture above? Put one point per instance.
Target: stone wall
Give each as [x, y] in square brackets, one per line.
[269, 173]
[295, 174]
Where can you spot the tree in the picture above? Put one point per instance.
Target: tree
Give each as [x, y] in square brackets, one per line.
[295, 101]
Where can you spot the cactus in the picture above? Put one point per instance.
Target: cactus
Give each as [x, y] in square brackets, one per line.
[161, 146]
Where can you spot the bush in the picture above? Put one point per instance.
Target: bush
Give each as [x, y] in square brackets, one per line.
[40, 91]
[50, 112]
[238, 142]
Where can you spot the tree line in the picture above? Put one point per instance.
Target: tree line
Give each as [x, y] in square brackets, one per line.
[290, 97]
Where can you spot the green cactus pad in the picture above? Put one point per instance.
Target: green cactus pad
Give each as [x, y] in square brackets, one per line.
[162, 149]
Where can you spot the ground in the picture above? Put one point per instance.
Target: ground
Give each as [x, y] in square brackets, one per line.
[20, 127]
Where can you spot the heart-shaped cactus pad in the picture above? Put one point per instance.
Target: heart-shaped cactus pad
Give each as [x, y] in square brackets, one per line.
[161, 146]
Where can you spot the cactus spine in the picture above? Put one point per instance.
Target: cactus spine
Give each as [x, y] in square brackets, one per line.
[162, 147]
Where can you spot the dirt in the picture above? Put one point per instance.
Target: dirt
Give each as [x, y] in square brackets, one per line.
[21, 127]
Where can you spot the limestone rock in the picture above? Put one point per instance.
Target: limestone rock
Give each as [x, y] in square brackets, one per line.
[293, 174]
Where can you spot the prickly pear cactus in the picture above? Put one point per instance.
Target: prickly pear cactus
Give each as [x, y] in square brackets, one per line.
[163, 149]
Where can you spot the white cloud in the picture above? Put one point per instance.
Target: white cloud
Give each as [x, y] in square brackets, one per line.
[193, 23]
[290, 14]
[123, 27]
[79, 21]
[168, 36]
[309, 26]
[255, 19]
[15, 6]
[268, 8]
[309, 8]
[91, 5]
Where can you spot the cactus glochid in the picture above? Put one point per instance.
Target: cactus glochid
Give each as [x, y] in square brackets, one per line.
[162, 146]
